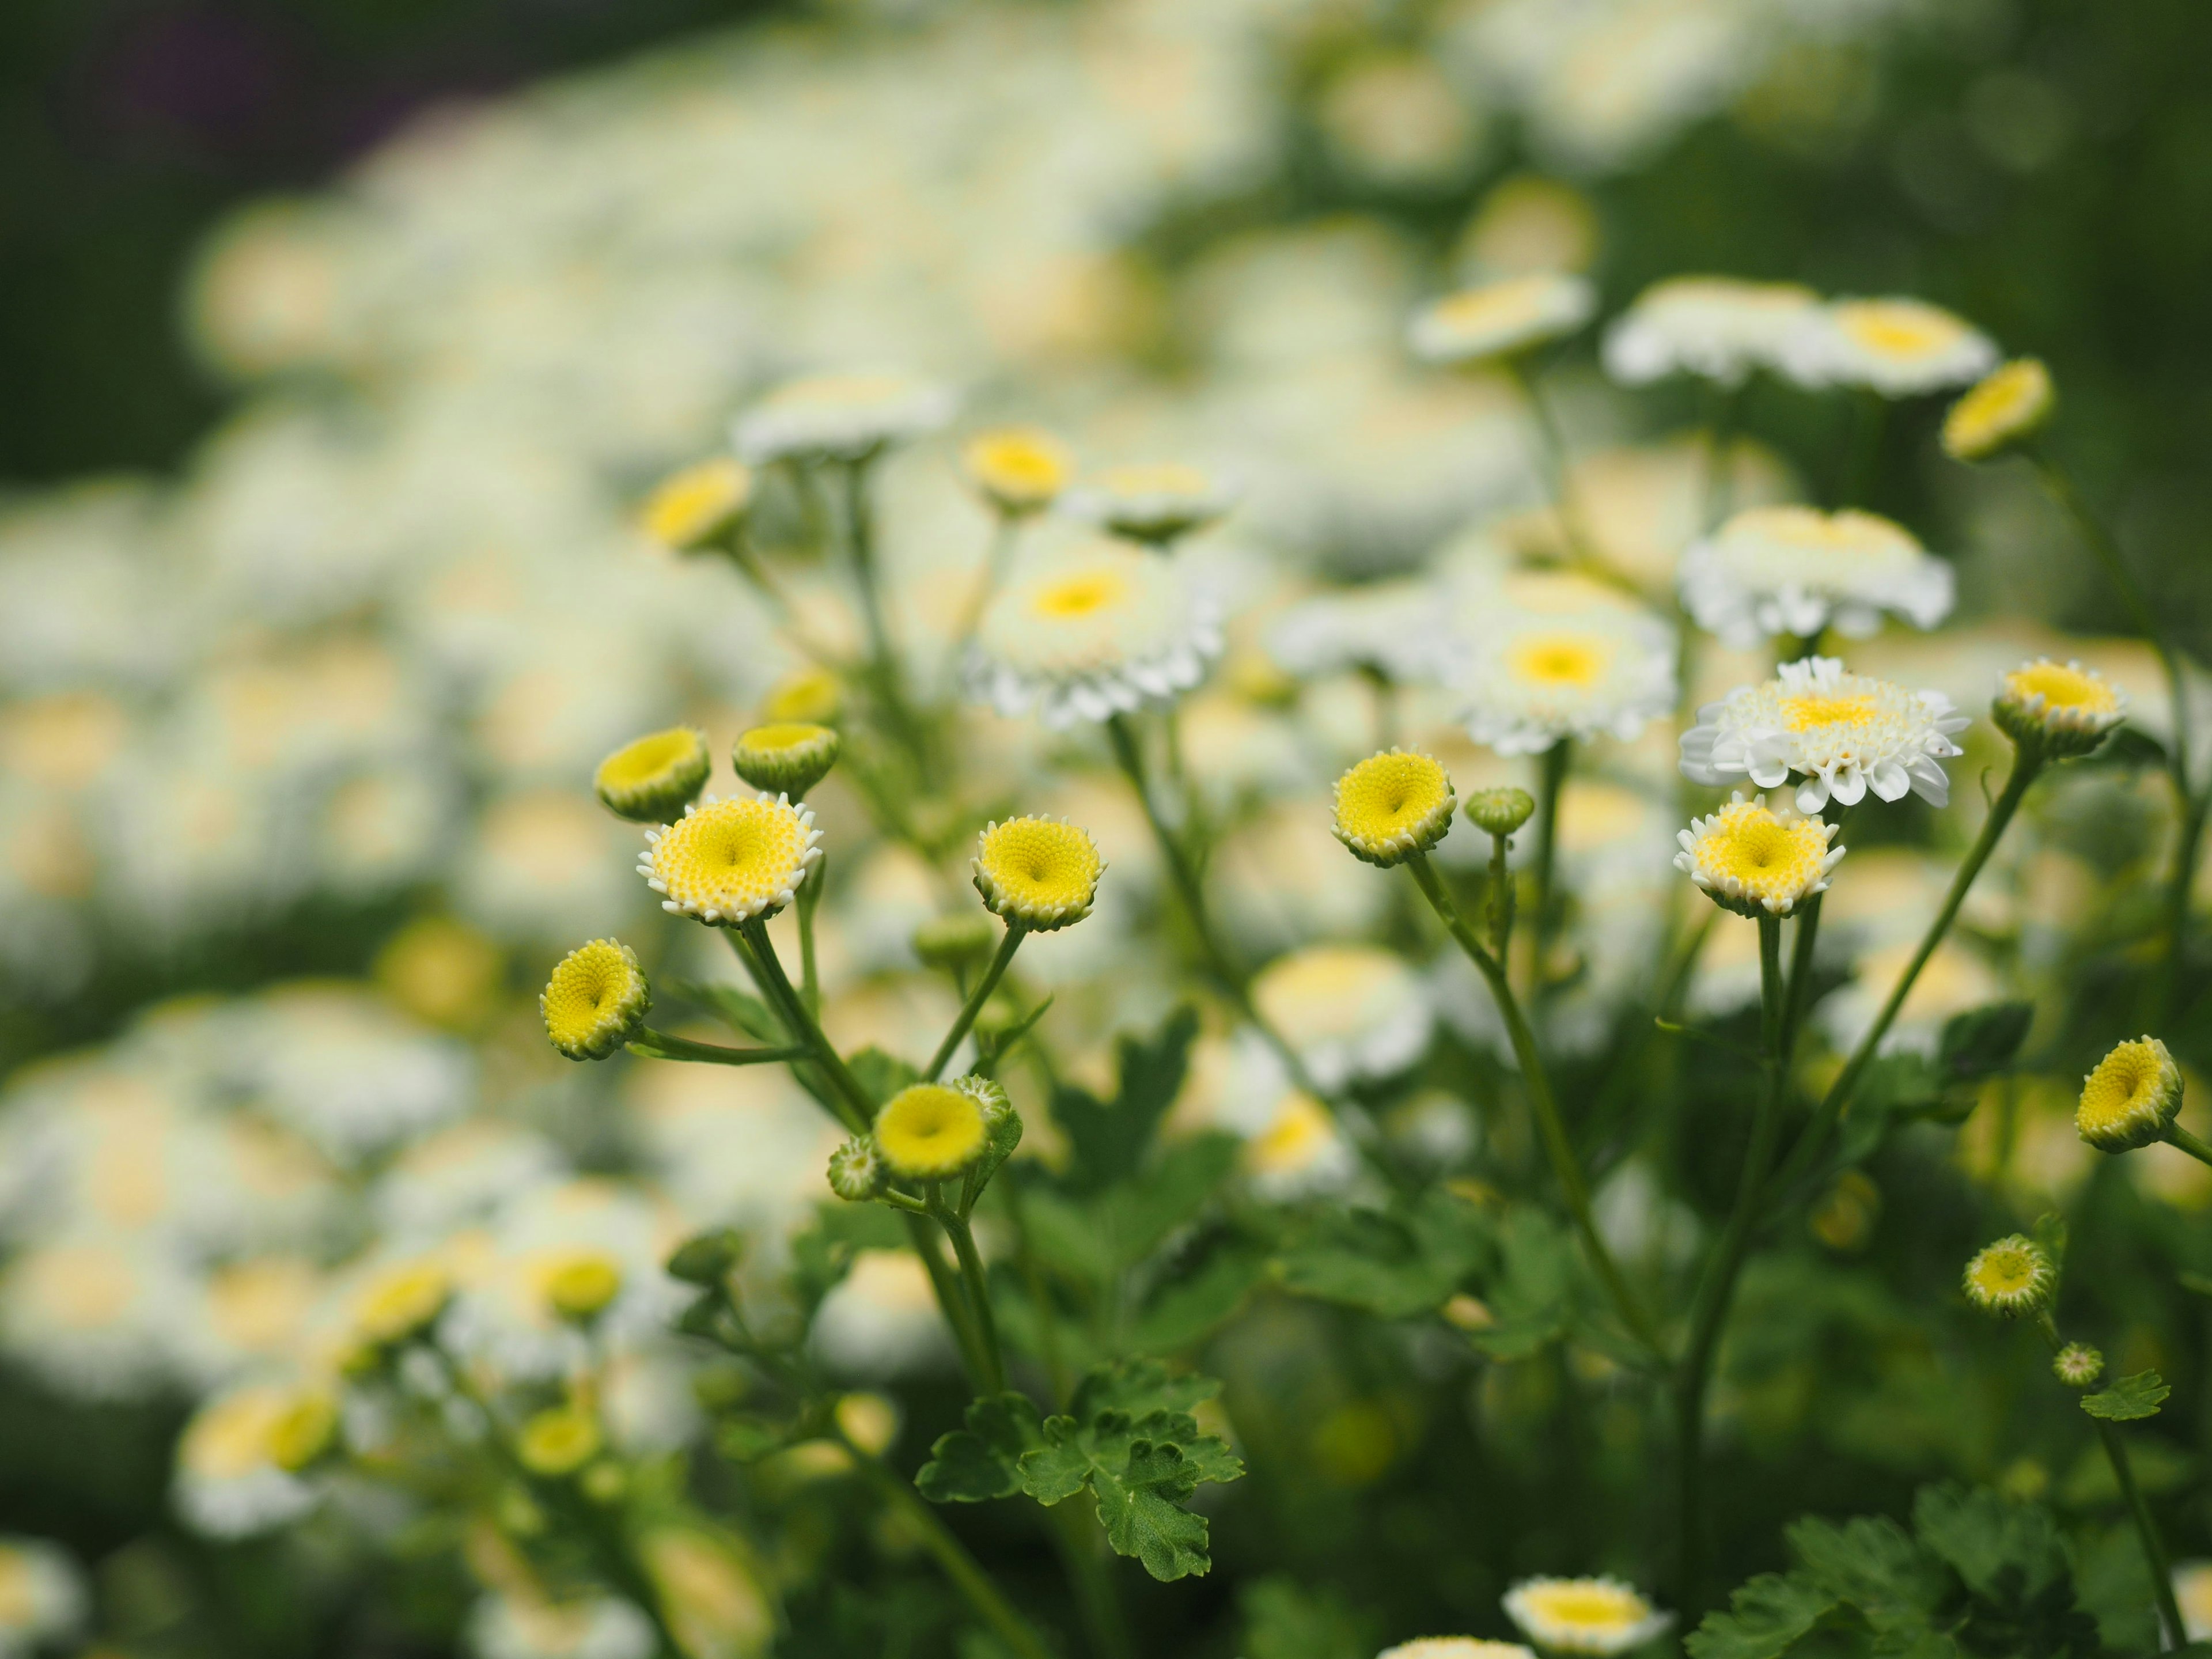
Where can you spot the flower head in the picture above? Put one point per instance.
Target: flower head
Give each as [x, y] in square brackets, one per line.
[558, 1442]
[1838, 733]
[1393, 805]
[1091, 634]
[2012, 1278]
[579, 1283]
[1584, 1615]
[1020, 469]
[1719, 328]
[929, 1131]
[1038, 873]
[1351, 1011]
[2077, 1365]
[695, 508]
[2004, 408]
[858, 1171]
[960, 938]
[787, 758]
[840, 417]
[728, 861]
[807, 696]
[42, 1595]
[1390, 626]
[1154, 503]
[1455, 1647]
[401, 1302]
[303, 1428]
[1774, 570]
[596, 999]
[1533, 676]
[1501, 319]
[2131, 1098]
[1752, 862]
[1898, 347]
[2058, 710]
[650, 781]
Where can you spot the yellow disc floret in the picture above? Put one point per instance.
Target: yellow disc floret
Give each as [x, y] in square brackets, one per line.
[1754, 862]
[2006, 406]
[1020, 469]
[1393, 805]
[651, 780]
[596, 999]
[401, 1302]
[1584, 1615]
[1038, 873]
[558, 1442]
[729, 861]
[696, 507]
[580, 1284]
[2058, 709]
[304, 1428]
[811, 696]
[788, 757]
[2131, 1097]
[929, 1130]
[2012, 1278]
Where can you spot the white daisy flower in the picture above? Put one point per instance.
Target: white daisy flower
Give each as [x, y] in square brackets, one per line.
[1897, 347]
[228, 1484]
[1153, 503]
[1396, 627]
[1774, 570]
[1350, 1011]
[42, 1596]
[1299, 1151]
[1091, 633]
[840, 417]
[1719, 328]
[1587, 665]
[1499, 318]
[882, 1320]
[1838, 733]
[1584, 1615]
[98, 1315]
[728, 861]
[513, 1627]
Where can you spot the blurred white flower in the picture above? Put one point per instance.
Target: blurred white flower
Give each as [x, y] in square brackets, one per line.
[1772, 570]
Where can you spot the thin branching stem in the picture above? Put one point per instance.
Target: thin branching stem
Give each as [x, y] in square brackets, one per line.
[974, 1005]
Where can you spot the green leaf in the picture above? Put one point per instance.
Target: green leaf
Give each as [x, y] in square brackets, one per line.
[739, 1010]
[1107, 1140]
[2199, 1283]
[982, 1461]
[1140, 1505]
[1765, 1620]
[1871, 1563]
[1172, 1190]
[2129, 1399]
[1533, 1297]
[1982, 1042]
[1394, 1264]
[1287, 1619]
[1182, 1311]
[2004, 1551]
[822, 1253]
[880, 1075]
[1138, 1388]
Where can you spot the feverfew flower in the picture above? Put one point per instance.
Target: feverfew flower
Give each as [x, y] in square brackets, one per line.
[1091, 634]
[1897, 347]
[1153, 503]
[1299, 1152]
[1584, 1615]
[1391, 806]
[1774, 570]
[42, 1596]
[2077, 1365]
[1038, 873]
[1839, 734]
[1020, 469]
[788, 757]
[728, 861]
[1455, 1647]
[1534, 677]
[695, 508]
[650, 781]
[596, 999]
[2012, 1278]
[1393, 627]
[1351, 1012]
[515, 1626]
[1501, 319]
[1720, 328]
[228, 1482]
[2004, 408]
[929, 1130]
[840, 417]
[2131, 1097]
[2058, 710]
[1751, 861]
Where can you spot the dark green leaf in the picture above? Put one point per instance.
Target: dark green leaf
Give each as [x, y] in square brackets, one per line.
[2129, 1399]
[1532, 1298]
[1140, 1505]
[2004, 1551]
[1765, 1620]
[1872, 1564]
[881, 1074]
[1982, 1042]
[1138, 1388]
[1107, 1140]
[1182, 1311]
[1368, 1259]
[982, 1461]
[1287, 1619]
[1059, 1469]
[1139, 1213]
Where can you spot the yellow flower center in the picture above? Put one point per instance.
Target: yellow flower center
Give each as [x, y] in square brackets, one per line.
[1589, 1606]
[928, 1131]
[697, 501]
[558, 1441]
[1038, 865]
[589, 986]
[230, 1438]
[1017, 466]
[2004, 1273]
[1513, 304]
[2061, 687]
[733, 858]
[1999, 401]
[1889, 329]
[1155, 478]
[579, 1283]
[1810, 711]
[1573, 660]
[649, 759]
[402, 1301]
[1082, 594]
[811, 695]
[786, 734]
[2125, 1082]
[1386, 796]
[1767, 857]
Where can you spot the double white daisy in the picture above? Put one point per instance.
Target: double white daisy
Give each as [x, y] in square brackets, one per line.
[1090, 633]
[1839, 734]
[1774, 570]
[840, 417]
[1554, 660]
[1897, 347]
[1719, 328]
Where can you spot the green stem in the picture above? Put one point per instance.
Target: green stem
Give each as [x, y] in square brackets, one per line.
[659, 1045]
[2177, 1136]
[1501, 897]
[1719, 496]
[2025, 767]
[2153, 1548]
[1006, 533]
[979, 1295]
[1558, 475]
[810, 901]
[1181, 871]
[883, 656]
[1551, 780]
[858, 1108]
[1033, 1280]
[1716, 1288]
[951, 1302]
[976, 998]
[1077, 1534]
[2062, 490]
[1537, 1082]
[965, 1573]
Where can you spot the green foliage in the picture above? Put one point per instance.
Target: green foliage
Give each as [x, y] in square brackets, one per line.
[1107, 1140]
[1982, 1042]
[1395, 1263]
[1284, 1619]
[2129, 1399]
[1979, 1575]
[739, 1010]
[881, 1074]
[822, 1253]
[1128, 1435]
